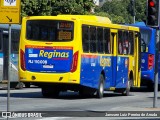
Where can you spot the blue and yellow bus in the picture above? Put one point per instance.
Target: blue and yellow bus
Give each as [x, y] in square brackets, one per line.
[148, 54]
[4, 37]
[82, 53]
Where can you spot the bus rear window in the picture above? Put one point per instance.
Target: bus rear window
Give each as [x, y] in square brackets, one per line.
[49, 30]
[145, 36]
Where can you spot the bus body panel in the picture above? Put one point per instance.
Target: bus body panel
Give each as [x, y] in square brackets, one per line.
[48, 59]
[146, 74]
[89, 66]
[93, 64]
[122, 72]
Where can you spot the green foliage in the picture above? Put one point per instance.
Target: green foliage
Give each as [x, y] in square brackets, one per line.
[119, 11]
[36, 7]
[54, 7]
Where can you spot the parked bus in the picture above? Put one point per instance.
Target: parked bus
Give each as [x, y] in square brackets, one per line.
[148, 54]
[4, 39]
[82, 53]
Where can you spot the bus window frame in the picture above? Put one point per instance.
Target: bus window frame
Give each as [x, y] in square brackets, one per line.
[92, 41]
[131, 41]
[120, 38]
[100, 41]
[87, 40]
[107, 40]
[57, 30]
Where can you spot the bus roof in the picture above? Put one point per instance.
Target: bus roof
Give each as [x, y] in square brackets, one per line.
[13, 26]
[90, 18]
[86, 18]
[74, 17]
[142, 25]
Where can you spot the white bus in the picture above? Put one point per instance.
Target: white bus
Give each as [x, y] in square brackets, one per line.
[4, 39]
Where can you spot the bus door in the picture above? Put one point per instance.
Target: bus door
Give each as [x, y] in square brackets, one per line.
[121, 60]
[109, 37]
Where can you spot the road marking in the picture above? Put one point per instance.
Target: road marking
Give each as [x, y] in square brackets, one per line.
[54, 118]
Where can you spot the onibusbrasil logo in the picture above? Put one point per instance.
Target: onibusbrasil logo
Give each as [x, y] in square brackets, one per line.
[10, 1]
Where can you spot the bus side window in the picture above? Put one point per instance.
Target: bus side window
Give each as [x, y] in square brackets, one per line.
[131, 43]
[125, 42]
[100, 40]
[0, 40]
[120, 43]
[85, 38]
[93, 46]
[107, 42]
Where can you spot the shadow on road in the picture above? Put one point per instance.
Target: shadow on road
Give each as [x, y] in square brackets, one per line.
[62, 95]
[141, 89]
[23, 95]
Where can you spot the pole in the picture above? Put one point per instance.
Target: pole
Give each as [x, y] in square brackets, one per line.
[9, 51]
[134, 19]
[156, 70]
[132, 2]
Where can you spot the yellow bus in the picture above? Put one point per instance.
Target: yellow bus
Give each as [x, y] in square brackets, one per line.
[82, 53]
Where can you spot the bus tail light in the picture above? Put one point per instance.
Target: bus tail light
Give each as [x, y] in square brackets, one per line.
[150, 61]
[22, 60]
[74, 62]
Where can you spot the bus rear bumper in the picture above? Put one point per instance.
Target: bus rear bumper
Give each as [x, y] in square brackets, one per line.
[48, 77]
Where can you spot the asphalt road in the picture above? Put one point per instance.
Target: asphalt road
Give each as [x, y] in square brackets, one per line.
[32, 101]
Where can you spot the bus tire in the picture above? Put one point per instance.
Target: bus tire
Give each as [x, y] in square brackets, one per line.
[100, 90]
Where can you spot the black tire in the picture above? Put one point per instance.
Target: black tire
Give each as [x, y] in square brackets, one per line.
[100, 90]
[48, 92]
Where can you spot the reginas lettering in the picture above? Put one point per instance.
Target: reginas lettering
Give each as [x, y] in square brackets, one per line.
[53, 54]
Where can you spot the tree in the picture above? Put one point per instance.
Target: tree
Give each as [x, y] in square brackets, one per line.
[119, 10]
[72, 7]
[36, 7]
[54, 7]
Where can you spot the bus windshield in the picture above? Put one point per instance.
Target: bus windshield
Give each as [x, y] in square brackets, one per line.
[49, 30]
[145, 36]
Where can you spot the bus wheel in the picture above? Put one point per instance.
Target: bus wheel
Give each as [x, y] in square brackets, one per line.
[127, 90]
[100, 90]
